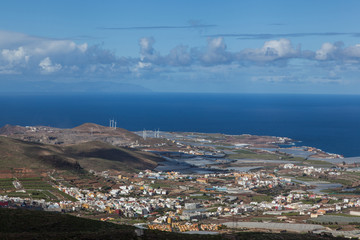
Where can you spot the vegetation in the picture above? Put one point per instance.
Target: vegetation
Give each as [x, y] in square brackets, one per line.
[35, 183]
[129, 221]
[275, 191]
[202, 197]
[6, 184]
[311, 201]
[266, 219]
[261, 198]
[35, 188]
[212, 209]
[317, 163]
[160, 185]
[26, 224]
[291, 214]
[17, 194]
[64, 195]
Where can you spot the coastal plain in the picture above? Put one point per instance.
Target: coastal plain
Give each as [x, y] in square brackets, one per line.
[180, 181]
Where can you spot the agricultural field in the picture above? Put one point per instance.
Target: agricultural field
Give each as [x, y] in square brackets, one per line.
[35, 183]
[6, 184]
[35, 188]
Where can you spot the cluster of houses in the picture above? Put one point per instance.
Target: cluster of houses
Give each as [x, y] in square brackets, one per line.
[168, 212]
[249, 181]
[114, 201]
[177, 226]
[309, 170]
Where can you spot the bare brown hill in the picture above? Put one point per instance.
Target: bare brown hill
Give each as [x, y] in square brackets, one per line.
[101, 156]
[93, 128]
[84, 133]
[98, 156]
[10, 130]
[16, 153]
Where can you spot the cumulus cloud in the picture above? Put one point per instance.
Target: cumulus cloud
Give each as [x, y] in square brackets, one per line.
[352, 51]
[337, 52]
[48, 67]
[216, 52]
[270, 51]
[15, 55]
[327, 51]
[213, 54]
[179, 56]
[25, 55]
[147, 52]
[21, 53]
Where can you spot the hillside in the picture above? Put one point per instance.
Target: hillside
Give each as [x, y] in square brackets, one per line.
[10, 130]
[102, 156]
[20, 154]
[98, 156]
[80, 134]
[25, 224]
[93, 128]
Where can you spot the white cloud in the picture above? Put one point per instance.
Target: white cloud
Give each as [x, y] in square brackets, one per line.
[48, 67]
[24, 55]
[16, 55]
[216, 52]
[281, 48]
[336, 52]
[14, 39]
[21, 53]
[352, 51]
[270, 51]
[179, 56]
[326, 51]
[83, 47]
[147, 52]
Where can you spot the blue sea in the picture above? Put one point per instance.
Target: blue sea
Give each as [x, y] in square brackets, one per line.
[328, 122]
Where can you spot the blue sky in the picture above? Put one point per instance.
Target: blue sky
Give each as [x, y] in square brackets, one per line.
[180, 46]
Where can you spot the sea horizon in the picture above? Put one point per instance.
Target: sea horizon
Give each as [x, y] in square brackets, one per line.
[325, 121]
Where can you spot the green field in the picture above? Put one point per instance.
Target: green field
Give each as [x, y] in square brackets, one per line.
[17, 194]
[35, 188]
[202, 197]
[35, 183]
[317, 163]
[6, 184]
[64, 195]
[261, 198]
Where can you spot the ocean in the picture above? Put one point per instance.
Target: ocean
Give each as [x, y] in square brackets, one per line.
[328, 122]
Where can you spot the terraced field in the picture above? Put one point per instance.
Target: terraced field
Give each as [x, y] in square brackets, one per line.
[6, 184]
[35, 188]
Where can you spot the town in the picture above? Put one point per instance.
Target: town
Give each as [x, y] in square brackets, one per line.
[171, 201]
[209, 183]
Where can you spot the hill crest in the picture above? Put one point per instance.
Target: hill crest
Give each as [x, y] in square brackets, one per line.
[12, 129]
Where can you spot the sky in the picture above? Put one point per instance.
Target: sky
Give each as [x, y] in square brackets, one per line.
[180, 46]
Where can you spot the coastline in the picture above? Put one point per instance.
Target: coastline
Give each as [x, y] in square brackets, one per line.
[333, 129]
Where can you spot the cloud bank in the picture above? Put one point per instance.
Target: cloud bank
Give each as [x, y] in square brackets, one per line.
[32, 57]
[24, 54]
